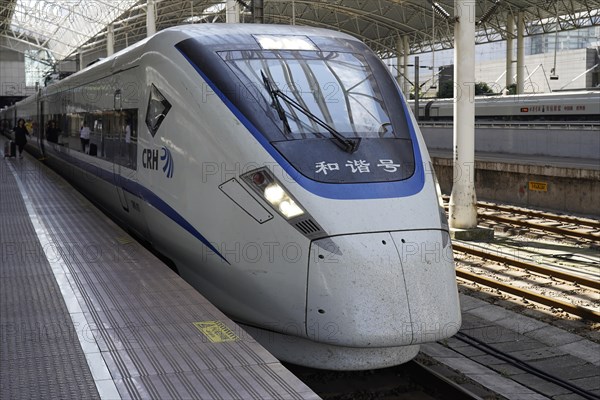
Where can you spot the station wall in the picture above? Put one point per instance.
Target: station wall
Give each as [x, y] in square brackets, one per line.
[568, 190]
[580, 143]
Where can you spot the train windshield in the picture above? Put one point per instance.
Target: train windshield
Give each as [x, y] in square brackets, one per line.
[339, 89]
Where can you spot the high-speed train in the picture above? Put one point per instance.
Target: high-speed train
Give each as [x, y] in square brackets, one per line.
[281, 171]
[556, 106]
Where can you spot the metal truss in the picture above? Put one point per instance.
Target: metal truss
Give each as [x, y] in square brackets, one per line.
[379, 23]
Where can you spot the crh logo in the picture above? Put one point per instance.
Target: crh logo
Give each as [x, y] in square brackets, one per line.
[150, 159]
[168, 162]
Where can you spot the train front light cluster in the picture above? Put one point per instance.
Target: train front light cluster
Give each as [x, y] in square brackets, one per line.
[273, 192]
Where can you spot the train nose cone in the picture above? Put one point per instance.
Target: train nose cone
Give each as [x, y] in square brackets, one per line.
[382, 289]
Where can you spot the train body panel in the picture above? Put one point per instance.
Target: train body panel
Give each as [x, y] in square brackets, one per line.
[567, 106]
[244, 186]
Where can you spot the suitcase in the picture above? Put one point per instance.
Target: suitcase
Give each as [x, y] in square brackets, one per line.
[93, 149]
[10, 149]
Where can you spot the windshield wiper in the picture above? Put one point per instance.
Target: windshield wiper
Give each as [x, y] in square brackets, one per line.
[276, 104]
[349, 145]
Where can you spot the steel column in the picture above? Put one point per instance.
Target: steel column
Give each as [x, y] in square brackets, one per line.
[150, 18]
[405, 68]
[110, 40]
[463, 202]
[520, 53]
[232, 10]
[510, 30]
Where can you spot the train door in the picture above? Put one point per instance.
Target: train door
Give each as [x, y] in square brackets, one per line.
[41, 124]
[118, 170]
[123, 136]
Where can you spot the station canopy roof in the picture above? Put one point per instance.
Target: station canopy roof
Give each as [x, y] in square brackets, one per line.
[66, 27]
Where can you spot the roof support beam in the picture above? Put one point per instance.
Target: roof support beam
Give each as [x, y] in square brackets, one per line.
[19, 45]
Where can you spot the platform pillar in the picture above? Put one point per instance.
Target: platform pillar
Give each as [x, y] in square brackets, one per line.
[520, 53]
[258, 11]
[110, 40]
[406, 53]
[150, 18]
[232, 12]
[463, 211]
[510, 30]
[399, 62]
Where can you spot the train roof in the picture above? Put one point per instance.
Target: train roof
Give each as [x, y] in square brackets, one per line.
[217, 34]
[222, 33]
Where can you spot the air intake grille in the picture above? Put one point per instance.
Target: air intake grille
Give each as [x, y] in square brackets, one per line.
[309, 228]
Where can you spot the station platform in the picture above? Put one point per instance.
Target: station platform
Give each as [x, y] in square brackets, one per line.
[88, 313]
[588, 164]
[555, 350]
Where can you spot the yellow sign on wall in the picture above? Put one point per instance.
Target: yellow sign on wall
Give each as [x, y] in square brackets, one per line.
[216, 331]
[538, 186]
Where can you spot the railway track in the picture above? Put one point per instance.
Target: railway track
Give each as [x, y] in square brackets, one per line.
[412, 380]
[541, 221]
[573, 290]
[586, 222]
[533, 291]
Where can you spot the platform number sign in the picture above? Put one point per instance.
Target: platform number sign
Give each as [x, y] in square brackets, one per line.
[538, 186]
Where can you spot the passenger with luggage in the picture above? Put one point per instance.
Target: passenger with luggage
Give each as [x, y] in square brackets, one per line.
[21, 134]
[10, 148]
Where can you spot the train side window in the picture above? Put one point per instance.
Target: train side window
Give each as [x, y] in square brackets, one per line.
[158, 107]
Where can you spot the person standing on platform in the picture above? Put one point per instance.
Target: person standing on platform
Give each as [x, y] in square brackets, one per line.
[52, 132]
[128, 140]
[21, 134]
[84, 135]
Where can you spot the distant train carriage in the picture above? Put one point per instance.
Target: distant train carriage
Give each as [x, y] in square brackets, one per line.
[557, 106]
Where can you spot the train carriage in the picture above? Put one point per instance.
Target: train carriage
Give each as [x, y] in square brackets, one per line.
[281, 171]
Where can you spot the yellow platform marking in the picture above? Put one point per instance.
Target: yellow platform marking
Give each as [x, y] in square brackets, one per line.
[124, 240]
[216, 331]
[538, 186]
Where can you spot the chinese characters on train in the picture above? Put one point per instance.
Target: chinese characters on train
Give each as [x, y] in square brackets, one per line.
[554, 108]
[356, 166]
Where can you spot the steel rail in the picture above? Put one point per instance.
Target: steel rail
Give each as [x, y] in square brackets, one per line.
[451, 389]
[542, 227]
[581, 280]
[541, 214]
[582, 312]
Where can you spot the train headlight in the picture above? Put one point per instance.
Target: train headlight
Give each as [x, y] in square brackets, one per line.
[274, 194]
[272, 191]
[290, 209]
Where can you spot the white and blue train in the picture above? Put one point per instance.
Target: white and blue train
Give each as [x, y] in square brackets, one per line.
[530, 107]
[280, 170]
